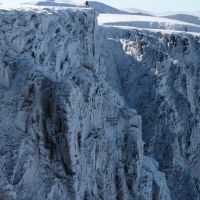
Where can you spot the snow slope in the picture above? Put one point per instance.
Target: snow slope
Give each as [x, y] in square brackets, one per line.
[185, 18]
[137, 11]
[100, 7]
[59, 4]
[103, 8]
[169, 13]
[147, 22]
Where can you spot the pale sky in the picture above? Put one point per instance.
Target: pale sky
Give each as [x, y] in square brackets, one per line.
[148, 5]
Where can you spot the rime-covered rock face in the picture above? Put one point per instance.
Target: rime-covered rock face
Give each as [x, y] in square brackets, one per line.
[158, 75]
[65, 134]
[69, 96]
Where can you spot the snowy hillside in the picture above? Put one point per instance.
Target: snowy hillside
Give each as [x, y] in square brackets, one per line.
[137, 11]
[51, 3]
[103, 8]
[147, 22]
[185, 18]
[100, 7]
[169, 13]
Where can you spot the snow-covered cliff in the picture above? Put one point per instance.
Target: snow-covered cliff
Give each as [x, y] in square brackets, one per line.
[158, 75]
[69, 96]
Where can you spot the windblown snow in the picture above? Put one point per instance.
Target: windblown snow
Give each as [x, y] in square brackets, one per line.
[147, 22]
[92, 109]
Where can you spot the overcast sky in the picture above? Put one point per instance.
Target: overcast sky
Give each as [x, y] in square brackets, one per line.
[149, 5]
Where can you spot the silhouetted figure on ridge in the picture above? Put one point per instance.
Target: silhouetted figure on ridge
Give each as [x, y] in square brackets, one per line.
[87, 4]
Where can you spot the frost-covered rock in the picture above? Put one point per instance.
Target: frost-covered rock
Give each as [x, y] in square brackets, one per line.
[69, 125]
[20, 121]
[65, 134]
[5, 77]
[158, 75]
[153, 184]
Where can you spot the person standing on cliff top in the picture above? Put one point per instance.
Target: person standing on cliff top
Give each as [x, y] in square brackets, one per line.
[87, 4]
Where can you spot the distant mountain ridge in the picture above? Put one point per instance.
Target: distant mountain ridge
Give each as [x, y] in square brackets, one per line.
[103, 8]
[137, 11]
[54, 3]
[100, 7]
[185, 18]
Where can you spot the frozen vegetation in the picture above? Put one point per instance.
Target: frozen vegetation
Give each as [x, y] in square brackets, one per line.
[94, 111]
